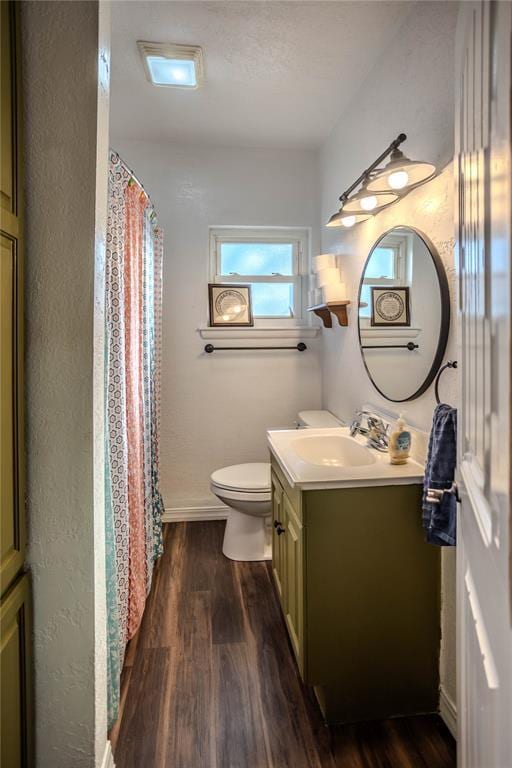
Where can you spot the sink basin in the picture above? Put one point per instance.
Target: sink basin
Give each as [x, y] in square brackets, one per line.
[325, 458]
[332, 451]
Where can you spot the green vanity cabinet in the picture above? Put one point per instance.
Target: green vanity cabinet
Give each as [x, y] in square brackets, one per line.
[360, 592]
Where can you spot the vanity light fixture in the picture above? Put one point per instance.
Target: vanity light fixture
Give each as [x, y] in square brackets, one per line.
[172, 65]
[343, 219]
[401, 173]
[349, 220]
[366, 201]
[381, 187]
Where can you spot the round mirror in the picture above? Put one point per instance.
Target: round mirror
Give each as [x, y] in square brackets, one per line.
[404, 314]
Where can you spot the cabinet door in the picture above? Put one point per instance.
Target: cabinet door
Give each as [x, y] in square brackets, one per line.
[277, 538]
[15, 631]
[294, 580]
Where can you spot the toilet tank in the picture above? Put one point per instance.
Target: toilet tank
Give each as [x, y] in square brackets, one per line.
[317, 420]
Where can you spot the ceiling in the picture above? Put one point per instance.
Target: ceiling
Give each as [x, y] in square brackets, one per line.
[277, 74]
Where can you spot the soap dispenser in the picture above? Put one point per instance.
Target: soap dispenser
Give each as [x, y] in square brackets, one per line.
[400, 443]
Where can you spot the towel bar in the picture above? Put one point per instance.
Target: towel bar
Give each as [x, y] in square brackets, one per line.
[209, 348]
[435, 496]
[411, 346]
[449, 364]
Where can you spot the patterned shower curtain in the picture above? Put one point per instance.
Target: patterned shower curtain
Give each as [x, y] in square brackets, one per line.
[133, 504]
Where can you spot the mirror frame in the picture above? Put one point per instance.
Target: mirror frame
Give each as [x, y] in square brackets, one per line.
[444, 329]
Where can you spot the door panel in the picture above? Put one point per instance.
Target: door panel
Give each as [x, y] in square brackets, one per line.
[483, 168]
[294, 582]
[16, 712]
[12, 529]
[9, 128]
[12, 548]
[277, 539]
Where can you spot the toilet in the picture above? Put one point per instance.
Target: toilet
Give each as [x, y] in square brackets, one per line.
[318, 420]
[246, 490]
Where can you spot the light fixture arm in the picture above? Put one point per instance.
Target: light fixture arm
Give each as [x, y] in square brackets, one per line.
[394, 145]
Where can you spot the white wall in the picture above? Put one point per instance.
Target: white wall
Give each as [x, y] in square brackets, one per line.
[216, 408]
[65, 189]
[412, 90]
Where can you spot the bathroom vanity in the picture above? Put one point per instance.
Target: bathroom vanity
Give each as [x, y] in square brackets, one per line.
[358, 585]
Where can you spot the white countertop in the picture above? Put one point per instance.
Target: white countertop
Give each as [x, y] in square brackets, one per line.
[308, 476]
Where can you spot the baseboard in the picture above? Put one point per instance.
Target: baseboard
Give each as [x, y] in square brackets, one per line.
[448, 712]
[108, 757]
[185, 514]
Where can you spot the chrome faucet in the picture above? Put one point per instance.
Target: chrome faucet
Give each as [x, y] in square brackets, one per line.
[356, 427]
[378, 435]
[376, 432]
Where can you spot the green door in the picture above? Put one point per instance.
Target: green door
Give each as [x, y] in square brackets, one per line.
[12, 548]
[15, 636]
[16, 720]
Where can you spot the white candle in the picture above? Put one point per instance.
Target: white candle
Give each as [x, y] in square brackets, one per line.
[323, 261]
[334, 292]
[328, 276]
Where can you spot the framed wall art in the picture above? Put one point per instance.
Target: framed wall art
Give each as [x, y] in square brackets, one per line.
[230, 304]
[390, 306]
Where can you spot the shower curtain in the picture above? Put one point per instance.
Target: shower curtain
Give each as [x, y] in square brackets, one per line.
[133, 504]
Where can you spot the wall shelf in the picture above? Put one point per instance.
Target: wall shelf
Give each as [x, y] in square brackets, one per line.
[336, 308]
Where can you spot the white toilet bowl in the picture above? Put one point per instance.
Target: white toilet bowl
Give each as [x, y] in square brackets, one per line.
[245, 489]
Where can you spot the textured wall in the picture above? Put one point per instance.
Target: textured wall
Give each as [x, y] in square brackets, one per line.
[412, 90]
[65, 174]
[216, 408]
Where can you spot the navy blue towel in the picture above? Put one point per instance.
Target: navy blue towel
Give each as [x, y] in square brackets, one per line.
[440, 520]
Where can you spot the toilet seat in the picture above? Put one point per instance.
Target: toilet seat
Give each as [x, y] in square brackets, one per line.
[238, 495]
[251, 479]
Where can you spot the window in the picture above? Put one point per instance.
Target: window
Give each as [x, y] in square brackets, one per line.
[272, 261]
[387, 266]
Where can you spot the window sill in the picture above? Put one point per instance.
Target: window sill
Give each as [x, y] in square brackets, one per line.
[297, 332]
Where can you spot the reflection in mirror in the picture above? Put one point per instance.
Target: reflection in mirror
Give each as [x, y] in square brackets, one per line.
[404, 314]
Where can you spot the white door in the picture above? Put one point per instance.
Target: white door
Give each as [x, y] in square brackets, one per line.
[484, 240]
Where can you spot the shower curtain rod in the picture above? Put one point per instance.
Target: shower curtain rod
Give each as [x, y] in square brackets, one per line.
[136, 178]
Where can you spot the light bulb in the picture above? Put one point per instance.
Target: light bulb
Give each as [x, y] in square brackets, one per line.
[398, 179]
[368, 203]
[348, 221]
[178, 75]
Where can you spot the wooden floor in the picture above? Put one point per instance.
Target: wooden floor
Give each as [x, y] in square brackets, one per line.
[210, 682]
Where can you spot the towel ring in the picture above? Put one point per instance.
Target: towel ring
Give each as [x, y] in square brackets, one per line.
[449, 364]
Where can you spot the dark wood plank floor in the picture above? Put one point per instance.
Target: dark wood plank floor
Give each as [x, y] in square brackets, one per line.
[210, 682]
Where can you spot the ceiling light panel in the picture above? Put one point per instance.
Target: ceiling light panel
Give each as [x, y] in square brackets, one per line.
[171, 65]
